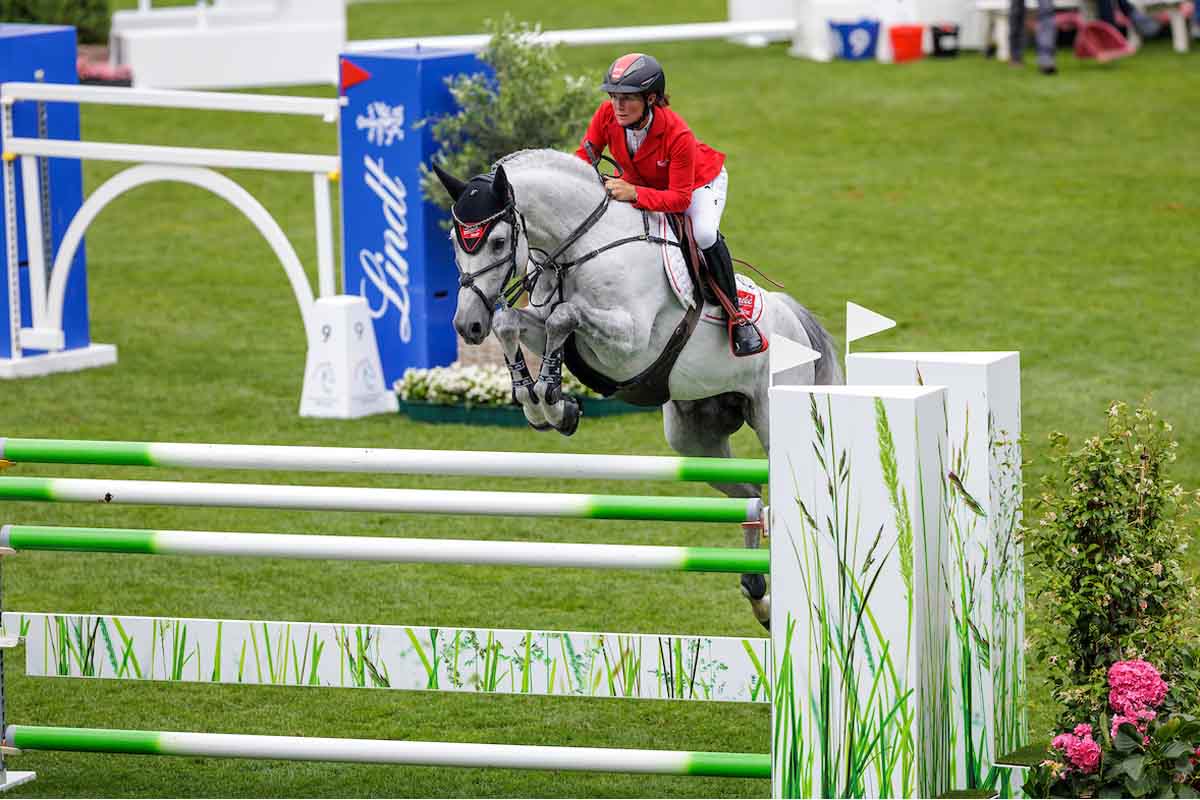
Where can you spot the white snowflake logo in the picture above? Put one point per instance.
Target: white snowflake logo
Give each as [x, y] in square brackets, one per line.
[384, 124]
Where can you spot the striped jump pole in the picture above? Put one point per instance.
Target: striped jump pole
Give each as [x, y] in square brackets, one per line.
[412, 501]
[383, 751]
[409, 462]
[379, 548]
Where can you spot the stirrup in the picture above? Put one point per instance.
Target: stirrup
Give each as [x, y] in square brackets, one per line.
[757, 343]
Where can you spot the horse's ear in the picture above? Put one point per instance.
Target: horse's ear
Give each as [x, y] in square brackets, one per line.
[500, 187]
[454, 187]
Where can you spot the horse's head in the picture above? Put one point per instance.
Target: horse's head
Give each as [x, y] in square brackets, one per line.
[489, 249]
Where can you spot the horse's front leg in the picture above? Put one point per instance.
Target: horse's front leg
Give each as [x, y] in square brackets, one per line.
[511, 325]
[562, 412]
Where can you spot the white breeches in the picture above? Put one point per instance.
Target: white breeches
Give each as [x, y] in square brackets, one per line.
[708, 203]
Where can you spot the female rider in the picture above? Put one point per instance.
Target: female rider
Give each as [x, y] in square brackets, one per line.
[665, 168]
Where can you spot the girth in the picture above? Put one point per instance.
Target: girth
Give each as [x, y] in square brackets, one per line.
[650, 387]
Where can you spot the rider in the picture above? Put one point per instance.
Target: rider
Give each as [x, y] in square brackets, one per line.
[666, 168]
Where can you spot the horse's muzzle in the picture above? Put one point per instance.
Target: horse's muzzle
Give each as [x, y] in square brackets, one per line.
[471, 324]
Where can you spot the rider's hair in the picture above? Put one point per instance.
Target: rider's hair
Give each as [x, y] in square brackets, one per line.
[662, 101]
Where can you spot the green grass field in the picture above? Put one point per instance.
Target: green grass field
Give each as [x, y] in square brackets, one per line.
[983, 207]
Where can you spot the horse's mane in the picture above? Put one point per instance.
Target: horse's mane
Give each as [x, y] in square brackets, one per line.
[544, 158]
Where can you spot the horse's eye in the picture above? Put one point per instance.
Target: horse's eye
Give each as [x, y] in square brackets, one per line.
[497, 244]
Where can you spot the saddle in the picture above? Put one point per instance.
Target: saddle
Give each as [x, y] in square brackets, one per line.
[650, 387]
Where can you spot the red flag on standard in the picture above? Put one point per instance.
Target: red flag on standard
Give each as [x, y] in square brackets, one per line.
[352, 74]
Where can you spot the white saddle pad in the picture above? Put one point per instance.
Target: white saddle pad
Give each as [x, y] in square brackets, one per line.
[750, 296]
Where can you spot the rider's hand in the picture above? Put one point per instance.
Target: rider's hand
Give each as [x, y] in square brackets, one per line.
[621, 190]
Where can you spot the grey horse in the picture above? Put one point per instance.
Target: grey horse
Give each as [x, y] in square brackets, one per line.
[616, 305]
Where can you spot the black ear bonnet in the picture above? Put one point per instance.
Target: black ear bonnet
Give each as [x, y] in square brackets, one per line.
[485, 200]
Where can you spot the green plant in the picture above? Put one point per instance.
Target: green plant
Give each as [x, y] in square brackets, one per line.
[529, 103]
[1108, 544]
[90, 17]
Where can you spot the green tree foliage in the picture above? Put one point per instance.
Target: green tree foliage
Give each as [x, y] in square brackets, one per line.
[1109, 545]
[530, 103]
[90, 17]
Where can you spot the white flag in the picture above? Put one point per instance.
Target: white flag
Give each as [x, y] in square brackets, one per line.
[786, 355]
[862, 322]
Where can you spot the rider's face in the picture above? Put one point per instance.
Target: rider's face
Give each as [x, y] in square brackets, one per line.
[627, 107]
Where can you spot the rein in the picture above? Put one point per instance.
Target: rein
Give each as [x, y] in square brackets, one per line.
[515, 288]
[551, 261]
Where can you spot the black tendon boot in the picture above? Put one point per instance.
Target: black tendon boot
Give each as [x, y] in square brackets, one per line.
[744, 337]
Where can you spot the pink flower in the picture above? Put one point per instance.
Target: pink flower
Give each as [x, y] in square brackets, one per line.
[1081, 750]
[1134, 687]
[1084, 753]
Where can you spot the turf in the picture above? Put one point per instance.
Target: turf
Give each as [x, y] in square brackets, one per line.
[983, 207]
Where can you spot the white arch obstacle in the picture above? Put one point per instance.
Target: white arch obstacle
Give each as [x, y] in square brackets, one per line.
[195, 166]
[330, 388]
[47, 313]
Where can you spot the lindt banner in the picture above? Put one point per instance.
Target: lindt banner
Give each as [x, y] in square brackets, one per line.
[396, 254]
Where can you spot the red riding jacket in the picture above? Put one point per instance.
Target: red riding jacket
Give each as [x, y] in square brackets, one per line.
[668, 165]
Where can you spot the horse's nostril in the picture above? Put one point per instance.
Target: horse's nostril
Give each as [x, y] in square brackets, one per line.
[476, 329]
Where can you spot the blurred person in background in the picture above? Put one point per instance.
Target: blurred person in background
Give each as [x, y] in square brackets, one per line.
[1046, 35]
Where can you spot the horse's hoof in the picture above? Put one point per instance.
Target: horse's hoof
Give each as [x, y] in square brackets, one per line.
[545, 426]
[572, 413]
[754, 586]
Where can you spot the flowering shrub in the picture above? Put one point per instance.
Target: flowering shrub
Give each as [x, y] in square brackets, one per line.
[1112, 531]
[486, 385]
[1147, 753]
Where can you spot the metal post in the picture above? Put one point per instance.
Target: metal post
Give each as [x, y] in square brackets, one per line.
[326, 280]
[10, 231]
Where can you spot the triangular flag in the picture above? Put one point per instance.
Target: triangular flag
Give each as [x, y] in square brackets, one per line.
[862, 322]
[786, 355]
[352, 74]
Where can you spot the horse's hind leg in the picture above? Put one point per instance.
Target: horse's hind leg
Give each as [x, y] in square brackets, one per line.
[703, 428]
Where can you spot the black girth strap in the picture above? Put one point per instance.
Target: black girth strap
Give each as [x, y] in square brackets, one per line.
[650, 387]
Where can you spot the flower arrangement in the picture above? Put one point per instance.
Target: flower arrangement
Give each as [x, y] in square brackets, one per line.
[1146, 752]
[484, 385]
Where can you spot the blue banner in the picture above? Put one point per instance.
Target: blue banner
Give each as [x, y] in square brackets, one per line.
[396, 255]
[46, 52]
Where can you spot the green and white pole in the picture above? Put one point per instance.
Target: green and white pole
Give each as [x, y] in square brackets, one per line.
[410, 462]
[382, 751]
[379, 548]
[412, 501]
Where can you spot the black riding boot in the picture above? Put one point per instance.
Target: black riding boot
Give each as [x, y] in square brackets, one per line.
[744, 337]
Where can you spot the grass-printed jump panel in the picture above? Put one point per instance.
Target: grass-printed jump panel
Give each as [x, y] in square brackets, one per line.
[312, 654]
[983, 575]
[862, 704]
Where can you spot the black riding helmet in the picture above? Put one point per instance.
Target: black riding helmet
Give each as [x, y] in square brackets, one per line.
[635, 73]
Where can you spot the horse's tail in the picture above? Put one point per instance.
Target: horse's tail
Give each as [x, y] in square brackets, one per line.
[829, 365]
